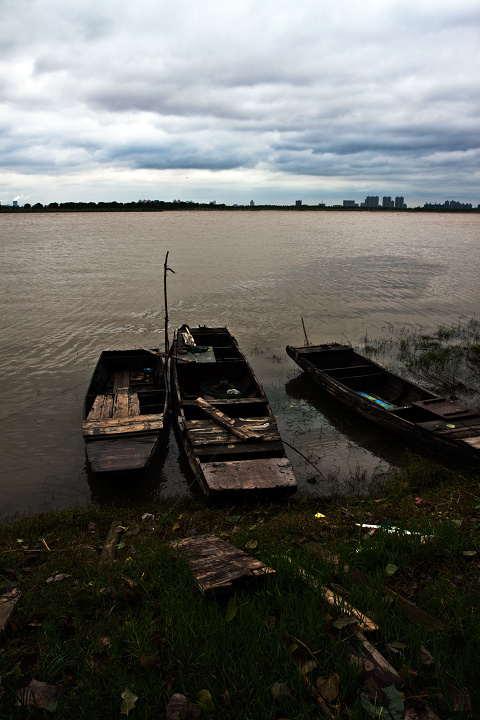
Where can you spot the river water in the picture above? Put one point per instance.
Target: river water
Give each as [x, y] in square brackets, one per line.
[75, 284]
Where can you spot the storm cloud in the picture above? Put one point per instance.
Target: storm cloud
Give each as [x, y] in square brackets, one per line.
[117, 101]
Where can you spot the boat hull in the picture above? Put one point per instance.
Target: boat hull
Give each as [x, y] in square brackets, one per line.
[125, 412]
[223, 419]
[438, 425]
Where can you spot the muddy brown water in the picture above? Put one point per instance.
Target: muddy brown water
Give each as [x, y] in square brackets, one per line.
[75, 284]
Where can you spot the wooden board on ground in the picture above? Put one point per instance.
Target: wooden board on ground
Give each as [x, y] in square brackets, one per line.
[219, 567]
[256, 474]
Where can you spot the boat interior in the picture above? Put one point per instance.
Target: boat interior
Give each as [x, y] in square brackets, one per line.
[138, 376]
[358, 374]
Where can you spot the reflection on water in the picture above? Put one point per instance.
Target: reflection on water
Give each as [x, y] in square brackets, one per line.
[76, 284]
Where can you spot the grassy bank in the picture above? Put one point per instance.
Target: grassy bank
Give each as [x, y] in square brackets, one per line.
[142, 625]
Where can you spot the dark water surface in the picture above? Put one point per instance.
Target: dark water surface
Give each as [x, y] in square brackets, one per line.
[75, 284]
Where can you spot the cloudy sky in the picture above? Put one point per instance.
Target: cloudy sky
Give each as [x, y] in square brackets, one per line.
[234, 100]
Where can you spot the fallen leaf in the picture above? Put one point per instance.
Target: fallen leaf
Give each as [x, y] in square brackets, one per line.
[396, 706]
[391, 569]
[129, 700]
[328, 687]
[425, 657]
[179, 707]
[40, 695]
[168, 685]
[176, 526]
[251, 544]
[470, 553]
[307, 666]
[100, 661]
[151, 661]
[231, 609]
[280, 690]
[225, 699]
[344, 620]
[205, 702]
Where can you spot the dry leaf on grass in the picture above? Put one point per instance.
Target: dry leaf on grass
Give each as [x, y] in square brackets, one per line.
[40, 695]
[179, 708]
[328, 687]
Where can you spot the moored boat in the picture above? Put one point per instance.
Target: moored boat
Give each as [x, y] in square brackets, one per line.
[223, 418]
[437, 424]
[125, 411]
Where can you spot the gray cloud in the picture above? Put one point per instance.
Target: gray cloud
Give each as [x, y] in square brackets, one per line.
[383, 91]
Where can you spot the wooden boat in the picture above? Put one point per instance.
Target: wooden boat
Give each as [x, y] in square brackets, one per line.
[435, 423]
[125, 411]
[223, 418]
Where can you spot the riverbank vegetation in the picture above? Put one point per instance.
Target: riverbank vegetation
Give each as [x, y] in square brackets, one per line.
[101, 636]
[446, 360]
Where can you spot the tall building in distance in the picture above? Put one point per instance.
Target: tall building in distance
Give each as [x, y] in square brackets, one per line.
[400, 203]
[371, 201]
[387, 202]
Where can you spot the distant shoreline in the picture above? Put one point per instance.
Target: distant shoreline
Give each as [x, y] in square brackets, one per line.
[161, 206]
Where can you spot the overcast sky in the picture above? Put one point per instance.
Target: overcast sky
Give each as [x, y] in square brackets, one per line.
[234, 100]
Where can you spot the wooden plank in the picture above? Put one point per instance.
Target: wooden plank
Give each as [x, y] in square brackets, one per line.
[121, 380]
[120, 405]
[97, 407]
[219, 567]
[473, 441]
[107, 408]
[120, 454]
[205, 432]
[8, 603]
[448, 409]
[133, 405]
[212, 449]
[114, 426]
[233, 425]
[415, 613]
[377, 658]
[249, 475]
[335, 599]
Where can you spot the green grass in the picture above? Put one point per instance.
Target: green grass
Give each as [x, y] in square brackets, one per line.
[97, 635]
[447, 359]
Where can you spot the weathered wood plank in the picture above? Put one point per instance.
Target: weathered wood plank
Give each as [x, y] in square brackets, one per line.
[219, 567]
[205, 432]
[335, 599]
[235, 426]
[118, 454]
[415, 613]
[133, 405]
[97, 407]
[250, 474]
[107, 407]
[8, 603]
[121, 380]
[120, 405]
[114, 426]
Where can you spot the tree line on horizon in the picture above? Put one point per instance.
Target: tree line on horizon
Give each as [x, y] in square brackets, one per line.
[161, 205]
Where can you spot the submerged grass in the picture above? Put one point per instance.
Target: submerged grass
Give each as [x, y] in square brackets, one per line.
[144, 626]
[448, 359]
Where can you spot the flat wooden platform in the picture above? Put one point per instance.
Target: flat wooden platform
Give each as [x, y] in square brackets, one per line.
[120, 455]
[257, 474]
[219, 567]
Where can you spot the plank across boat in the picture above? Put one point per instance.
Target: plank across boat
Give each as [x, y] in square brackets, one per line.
[125, 411]
[223, 419]
[437, 424]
